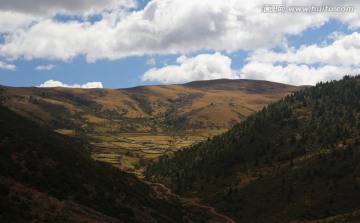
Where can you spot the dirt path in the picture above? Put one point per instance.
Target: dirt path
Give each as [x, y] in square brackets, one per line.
[212, 210]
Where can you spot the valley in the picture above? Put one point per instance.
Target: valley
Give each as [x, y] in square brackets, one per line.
[132, 152]
[294, 158]
[168, 111]
[152, 122]
[131, 128]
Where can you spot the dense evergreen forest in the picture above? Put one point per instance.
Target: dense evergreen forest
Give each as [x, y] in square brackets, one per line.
[296, 159]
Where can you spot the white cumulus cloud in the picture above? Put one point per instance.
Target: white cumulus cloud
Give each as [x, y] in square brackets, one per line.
[17, 14]
[344, 51]
[201, 67]
[32, 30]
[54, 83]
[45, 67]
[163, 27]
[306, 65]
[78, 7]
[294, 74]
[6, 66]
[10, 21]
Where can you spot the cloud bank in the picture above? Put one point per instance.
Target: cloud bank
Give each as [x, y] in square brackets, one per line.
[54, 83]
[201, 67]
[32, 30]
[305, 65]
[344, 51]
[78, 7]
[6, 66]
[162, 27]
[294, 74]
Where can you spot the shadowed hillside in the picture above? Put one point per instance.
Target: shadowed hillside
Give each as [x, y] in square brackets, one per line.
[48, 177]
[296, 159]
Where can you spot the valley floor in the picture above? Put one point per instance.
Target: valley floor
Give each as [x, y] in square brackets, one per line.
[131, 152]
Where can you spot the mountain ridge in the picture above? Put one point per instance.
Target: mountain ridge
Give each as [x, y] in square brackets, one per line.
[131, 127]
[192, 104]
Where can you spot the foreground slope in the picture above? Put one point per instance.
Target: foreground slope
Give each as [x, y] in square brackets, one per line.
[48, 177]
[297, 159]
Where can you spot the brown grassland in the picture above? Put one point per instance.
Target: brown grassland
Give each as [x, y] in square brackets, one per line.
[131, 127]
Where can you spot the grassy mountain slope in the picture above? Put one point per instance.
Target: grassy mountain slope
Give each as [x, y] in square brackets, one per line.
[145, 109]
[132, 127]
[48, 177]
[297, 159]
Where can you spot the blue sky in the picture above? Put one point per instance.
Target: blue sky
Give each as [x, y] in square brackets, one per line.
[127, 43]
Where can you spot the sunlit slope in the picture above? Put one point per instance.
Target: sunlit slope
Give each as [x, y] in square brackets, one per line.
[215, 104]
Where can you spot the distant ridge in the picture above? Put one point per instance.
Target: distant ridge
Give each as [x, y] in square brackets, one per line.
[193, 105]
[235, 84]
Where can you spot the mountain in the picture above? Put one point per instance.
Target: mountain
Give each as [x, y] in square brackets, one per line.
[295, 160]
[132, 127]
[48, 177]
[215, 104]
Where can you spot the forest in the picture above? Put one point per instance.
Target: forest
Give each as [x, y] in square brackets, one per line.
[296, 159]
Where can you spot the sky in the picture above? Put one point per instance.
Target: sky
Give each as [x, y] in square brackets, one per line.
[127, 43]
